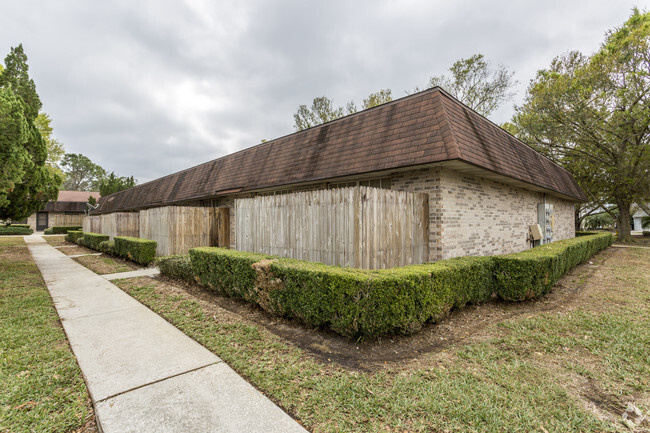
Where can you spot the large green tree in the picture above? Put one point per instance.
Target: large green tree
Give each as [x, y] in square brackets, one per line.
[81, 174]
[592, 115]
[114, 183]
[476, 84]
[323, 110]
[26, 184]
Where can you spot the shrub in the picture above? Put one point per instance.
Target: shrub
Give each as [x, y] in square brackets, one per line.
[359, 303]
[646, 233]
[139, 250]
[62, 230]
[226, 271]
[15, 230]
[19, 225]
[48, 231]
[73, 235]
[176, 267]
[107, 247]
[533, 272]
[92, 240]
[353, 302]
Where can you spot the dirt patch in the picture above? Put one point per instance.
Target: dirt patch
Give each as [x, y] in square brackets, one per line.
[56, 240]
[72, 249]
[104, 264]
[469, 324]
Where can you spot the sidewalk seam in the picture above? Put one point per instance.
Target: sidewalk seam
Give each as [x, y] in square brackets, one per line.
[157, 381]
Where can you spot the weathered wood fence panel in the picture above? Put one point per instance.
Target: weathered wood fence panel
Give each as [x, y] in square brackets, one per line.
[113, 224]
[176, 229]
[358, 227]
[58, 219]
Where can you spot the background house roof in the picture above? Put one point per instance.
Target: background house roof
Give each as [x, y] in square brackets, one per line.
[71, 201]
[424, 128]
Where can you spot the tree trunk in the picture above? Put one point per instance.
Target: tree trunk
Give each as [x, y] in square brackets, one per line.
[577, 220]
[623, 221]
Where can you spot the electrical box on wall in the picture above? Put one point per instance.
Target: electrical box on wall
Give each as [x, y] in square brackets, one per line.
[536, 231]
[546, 220]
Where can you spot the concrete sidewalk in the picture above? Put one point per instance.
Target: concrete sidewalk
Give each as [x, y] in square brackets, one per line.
[143, 374]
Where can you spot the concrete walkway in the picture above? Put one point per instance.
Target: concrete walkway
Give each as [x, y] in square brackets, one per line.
[143, 374]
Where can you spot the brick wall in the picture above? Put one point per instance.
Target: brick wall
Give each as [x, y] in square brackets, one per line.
[474, 216]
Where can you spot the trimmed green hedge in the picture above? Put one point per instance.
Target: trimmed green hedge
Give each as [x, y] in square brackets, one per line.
[92, 240]
[15, 230]
[533, 272]
[353, 302]
[107, 247]
[176, 267]
[139, 250]
[62, 230]
[20, 225]
[73, 235]
[360, 303]
[48, 231]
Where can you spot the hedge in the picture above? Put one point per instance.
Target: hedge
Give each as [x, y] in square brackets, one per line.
[139, 250]
[19, 225]
[48, 231]
[62, 230]
[15, 230]
[92, 240]
[176, 267]
[353, 302]
[533, 272]
[73, 235]
[361, 303]
[107, 247]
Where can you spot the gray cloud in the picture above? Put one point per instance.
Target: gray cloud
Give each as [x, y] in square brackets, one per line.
[149, 88]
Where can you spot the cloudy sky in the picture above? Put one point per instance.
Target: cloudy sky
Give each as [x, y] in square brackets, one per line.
[147, 88]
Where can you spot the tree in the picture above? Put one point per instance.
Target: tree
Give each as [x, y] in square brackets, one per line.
[477, 85]
[81, 174]
[592, 115]
[55, 150]
[113, 183]
[26, 184]
[377, 98]
[322, 109]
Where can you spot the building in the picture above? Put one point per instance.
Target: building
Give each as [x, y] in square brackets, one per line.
[67, 210]
[638, 221]
[485, 187]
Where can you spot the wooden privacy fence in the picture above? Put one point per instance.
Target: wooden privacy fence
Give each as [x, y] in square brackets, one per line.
[179, 228]
[175, 228]
[358, 227]
[113, 224]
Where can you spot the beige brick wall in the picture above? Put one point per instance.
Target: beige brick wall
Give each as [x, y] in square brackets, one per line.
[474, 216]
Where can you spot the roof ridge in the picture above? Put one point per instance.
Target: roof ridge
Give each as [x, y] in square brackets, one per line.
[451, 144]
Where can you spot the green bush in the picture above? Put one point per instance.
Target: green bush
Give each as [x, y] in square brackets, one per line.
[92, 240]
[73, 235]
[15, 230]
[20, 225]
[353, 302]
[62, 230]
[139, 250]
[645, 233]
[226, 271]
[107, 247]
[48, 231]
[359, 303]
[176, 267]
[533, 272]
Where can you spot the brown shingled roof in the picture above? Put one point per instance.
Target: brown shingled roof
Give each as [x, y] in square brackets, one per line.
[71, 201]
[423, 128]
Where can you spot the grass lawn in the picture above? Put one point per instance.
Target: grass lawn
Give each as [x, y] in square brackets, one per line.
[571, 362]
[42, 389]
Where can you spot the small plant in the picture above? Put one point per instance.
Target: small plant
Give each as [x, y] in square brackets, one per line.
[107, 247]
[176, 267]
